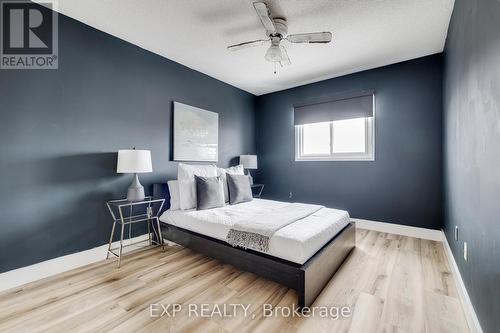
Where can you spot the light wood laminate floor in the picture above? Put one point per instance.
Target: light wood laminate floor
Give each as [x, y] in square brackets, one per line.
[391, 283]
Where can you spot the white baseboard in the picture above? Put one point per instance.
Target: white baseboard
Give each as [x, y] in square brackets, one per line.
[470, 313]
[399, 229]
[23, 275]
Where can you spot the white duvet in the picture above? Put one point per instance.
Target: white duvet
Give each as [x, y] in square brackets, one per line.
[295, 242]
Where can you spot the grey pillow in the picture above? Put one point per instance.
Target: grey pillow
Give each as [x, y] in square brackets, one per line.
[209, 192]
[239, 188]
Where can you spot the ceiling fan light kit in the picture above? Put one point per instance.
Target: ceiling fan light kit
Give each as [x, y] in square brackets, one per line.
[273, 54]
[277, 31]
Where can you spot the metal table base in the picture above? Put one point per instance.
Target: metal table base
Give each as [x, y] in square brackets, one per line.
[150, 217]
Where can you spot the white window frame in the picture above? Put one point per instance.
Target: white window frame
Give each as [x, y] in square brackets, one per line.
[368, 155]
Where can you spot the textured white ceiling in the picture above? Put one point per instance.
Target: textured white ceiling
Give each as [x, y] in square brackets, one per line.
[195, 33]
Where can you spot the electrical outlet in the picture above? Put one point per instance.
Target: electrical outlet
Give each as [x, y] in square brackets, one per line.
[456, 233]
[465, 251]
[290, 195]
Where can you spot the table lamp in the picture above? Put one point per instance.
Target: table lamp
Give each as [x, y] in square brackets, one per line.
[249, 162]
[134, 161]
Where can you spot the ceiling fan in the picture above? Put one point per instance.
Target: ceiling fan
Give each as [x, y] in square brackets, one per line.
[277, 30]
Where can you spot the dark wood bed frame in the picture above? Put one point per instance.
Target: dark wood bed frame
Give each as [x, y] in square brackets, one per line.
[308, 279]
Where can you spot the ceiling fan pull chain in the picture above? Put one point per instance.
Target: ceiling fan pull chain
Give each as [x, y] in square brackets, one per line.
[274, 63]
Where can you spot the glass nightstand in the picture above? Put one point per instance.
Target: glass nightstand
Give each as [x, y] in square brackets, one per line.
[127, 213]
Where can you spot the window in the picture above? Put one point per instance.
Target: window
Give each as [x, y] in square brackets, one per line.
[341, 140]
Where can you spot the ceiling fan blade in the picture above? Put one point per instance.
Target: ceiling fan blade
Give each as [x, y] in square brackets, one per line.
[265, 17]
[285, 60]
[244, 45]
[314, 37]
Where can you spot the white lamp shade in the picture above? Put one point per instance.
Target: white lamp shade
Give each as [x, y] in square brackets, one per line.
[134, 161]
[248, 161]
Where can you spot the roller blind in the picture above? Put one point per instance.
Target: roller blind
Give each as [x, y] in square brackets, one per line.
[349, 106]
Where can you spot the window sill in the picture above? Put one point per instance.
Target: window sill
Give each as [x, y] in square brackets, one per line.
[335, 159]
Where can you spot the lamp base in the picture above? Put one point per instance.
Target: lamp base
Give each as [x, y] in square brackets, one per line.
[135, 190]
[250, 177]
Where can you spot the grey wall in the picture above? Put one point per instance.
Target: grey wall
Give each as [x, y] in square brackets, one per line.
[472, 151]
[60, 130]
[403, 185]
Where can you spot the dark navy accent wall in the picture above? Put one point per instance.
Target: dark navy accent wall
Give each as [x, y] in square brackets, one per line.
[403, 185]
[472, 151]
[60, 130]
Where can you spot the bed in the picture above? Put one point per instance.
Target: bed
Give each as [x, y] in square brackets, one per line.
[303, 255]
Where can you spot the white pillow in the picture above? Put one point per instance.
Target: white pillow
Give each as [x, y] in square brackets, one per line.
[173, 188]
[235, 170]
[187, 184]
